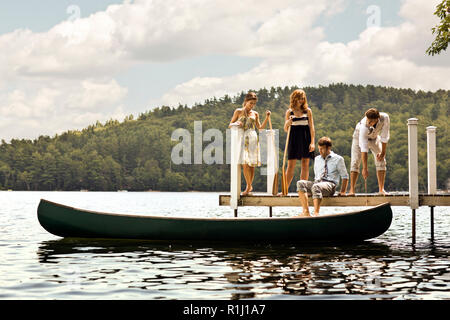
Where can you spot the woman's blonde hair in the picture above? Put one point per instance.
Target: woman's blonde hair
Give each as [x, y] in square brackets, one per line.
[295, 100]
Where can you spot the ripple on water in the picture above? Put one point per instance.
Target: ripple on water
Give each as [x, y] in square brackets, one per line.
[37, 265]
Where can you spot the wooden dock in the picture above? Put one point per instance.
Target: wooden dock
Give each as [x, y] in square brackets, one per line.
[412, 199]
[358, 200]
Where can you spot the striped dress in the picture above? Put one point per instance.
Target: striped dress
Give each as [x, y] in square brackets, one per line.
[299, 138]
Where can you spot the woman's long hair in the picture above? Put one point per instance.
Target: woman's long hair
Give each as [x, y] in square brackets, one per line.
[249, 96]
[295, 100]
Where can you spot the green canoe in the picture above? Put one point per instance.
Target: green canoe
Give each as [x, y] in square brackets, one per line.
[66, 221]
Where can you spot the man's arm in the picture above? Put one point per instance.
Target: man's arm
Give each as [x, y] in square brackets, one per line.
[344, 176]
[384, 134]
[384, 137]
[364, 146]
[365, 170]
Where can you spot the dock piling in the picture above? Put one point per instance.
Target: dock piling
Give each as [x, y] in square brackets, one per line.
[431, 159]
[236, 142]
[272, 160]
[413, 165]
[432, 222]
[431, 165]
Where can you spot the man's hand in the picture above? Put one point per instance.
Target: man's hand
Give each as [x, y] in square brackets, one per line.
[365, 173]
[380, 156]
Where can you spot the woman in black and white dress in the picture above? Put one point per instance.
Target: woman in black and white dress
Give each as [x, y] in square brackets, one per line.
[301, 138]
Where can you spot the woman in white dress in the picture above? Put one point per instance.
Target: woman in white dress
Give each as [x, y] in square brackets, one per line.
[248, 119]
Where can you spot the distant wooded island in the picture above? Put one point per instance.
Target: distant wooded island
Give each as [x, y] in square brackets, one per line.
[135, 154]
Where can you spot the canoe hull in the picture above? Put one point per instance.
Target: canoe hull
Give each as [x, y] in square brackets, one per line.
[66, 221]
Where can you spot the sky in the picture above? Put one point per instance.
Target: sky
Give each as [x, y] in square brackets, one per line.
[67, 64]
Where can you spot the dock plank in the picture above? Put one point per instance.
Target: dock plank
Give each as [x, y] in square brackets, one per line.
[291, 200]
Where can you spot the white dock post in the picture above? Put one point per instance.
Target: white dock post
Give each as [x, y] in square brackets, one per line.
[272, 161]
[413, 172]
[235, 169]
[272, 157]
[431, 159]
[431, 164]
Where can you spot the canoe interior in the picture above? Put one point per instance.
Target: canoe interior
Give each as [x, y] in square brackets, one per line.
[65, 221]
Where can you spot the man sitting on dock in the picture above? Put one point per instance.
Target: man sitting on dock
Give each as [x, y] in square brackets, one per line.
[328, 167]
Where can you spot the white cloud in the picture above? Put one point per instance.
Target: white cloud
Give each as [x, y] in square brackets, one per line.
[161, 30]
[67, 74]
[391, 56]
[65, 105]
[96, 95]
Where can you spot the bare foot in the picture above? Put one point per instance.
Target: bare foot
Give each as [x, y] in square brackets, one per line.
[247, 191]
[350, 194]
[303, 214]
[382, 192]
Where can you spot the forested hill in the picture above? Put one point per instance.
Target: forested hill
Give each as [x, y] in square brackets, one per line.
[136, 154]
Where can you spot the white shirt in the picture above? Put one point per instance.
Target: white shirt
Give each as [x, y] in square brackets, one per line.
[363, 132]
[335, 168]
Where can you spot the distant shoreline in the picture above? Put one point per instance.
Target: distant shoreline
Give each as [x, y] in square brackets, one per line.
[192, 191]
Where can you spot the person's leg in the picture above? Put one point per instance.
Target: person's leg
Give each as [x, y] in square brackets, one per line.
[353, 178]
[303, 196]
[381, 175]
[252, 177]
[317, 197]
[375, 147]
[304, 173]
[354, 165]
[248, 178]
[290, 171]
[317, 202]
[320, 190]
[303, 187]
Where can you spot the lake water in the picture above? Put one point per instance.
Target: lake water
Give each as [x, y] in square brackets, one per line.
[37, 265]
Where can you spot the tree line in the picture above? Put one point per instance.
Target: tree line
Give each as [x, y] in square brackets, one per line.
[135, 154]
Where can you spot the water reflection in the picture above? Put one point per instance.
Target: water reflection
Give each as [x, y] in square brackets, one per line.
[179, 270]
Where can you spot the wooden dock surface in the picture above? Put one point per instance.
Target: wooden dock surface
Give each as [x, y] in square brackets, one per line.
[292, 200]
